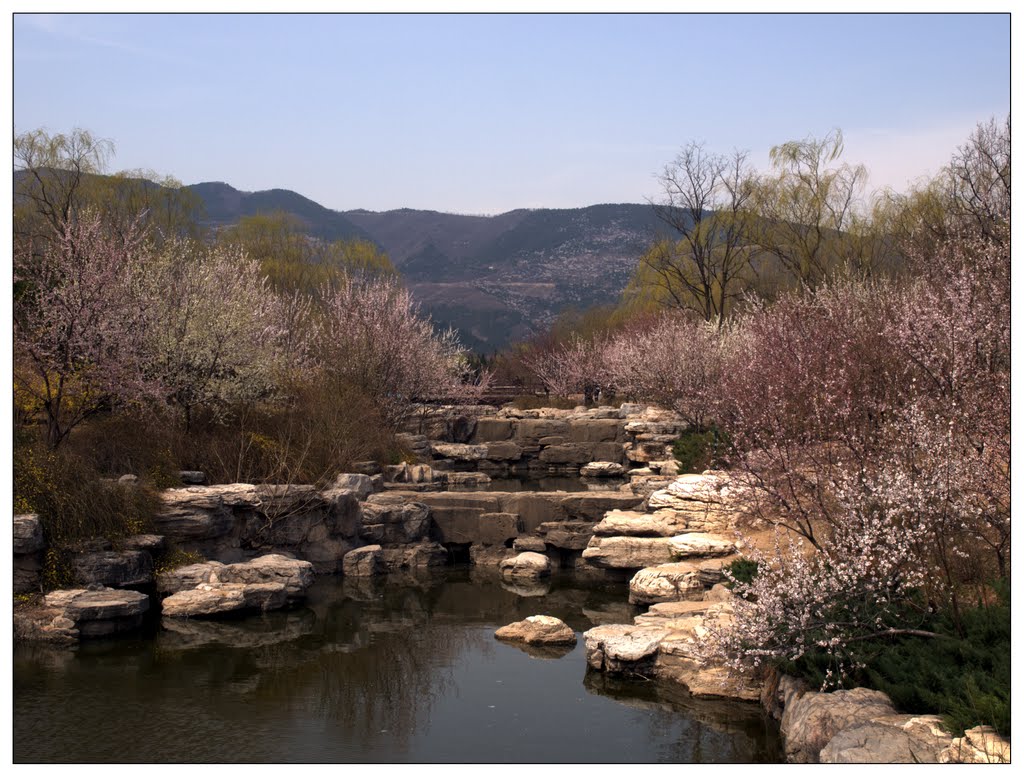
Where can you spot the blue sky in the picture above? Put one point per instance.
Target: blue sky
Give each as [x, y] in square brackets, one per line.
[481, 114]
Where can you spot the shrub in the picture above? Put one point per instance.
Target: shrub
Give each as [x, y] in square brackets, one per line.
[699, 449]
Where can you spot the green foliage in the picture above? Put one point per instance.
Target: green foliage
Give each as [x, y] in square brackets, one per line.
[699, 449]
[963, 676]
[742, 570]
[175, 557]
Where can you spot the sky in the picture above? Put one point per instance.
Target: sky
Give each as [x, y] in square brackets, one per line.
[486, 113]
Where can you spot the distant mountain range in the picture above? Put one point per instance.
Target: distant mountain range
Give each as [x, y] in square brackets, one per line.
[496, 279]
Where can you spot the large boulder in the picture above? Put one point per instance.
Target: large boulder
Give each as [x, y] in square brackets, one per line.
[623, 648]
[700, 545]
[220, 598]
[459, 451]
[593, 505]
[631, 523]
[364, 562]
[567, 535]
[504, 451]
[125, 569]
[360, 485]
[978, 745]
[905, 739]
[596, 430]
[538, 630]
[418, 556]
[525, 566]
[394, 524]
[678, 581]
[293, 575]
[627, 552]
[810, 721]
[28, 534]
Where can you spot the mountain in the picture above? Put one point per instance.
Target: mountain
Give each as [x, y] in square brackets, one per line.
[496, 279]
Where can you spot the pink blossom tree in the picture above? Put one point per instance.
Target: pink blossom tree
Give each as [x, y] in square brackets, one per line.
[79, 323]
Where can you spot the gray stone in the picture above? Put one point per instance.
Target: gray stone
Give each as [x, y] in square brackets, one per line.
[533, 544]
[877, 743]
[700, 545]
[422, 555]
[192, 477]
[592, 505]
[154, 544]
[568, 535]
[504, 451]
[359, 484]
[116, 570]
[394, 524]
[364, 562]
[459, 451]
[28, 534]
[100, 612]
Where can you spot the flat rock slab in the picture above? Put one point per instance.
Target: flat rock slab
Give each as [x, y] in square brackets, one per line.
[627, 552]
[622, 648]
[294, 575]
[221, 598]
[80, 604]
[538, 630]
[700, 545]
[115, 569]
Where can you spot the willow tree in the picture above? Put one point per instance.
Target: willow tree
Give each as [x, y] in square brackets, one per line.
[295, 261]
[806, 205]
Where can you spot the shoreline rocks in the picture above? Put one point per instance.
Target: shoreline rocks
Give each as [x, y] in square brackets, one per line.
[538, 630]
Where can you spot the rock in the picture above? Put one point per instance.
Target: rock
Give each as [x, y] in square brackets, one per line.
[100, 612]
[535, 508]
[596, 430]
[630, 523]
[593, 505]
[489, 556]
[128, 480]
[394, 524]
[419, 556]
[627, 552]
[116, 570]
[359, 484]
[528, 566]
[889, 739]
[367, 467]
[28, 534]
[192, 477]
[459, 451]
[668, 467]
[468, 481]
[568, 535]
[293, 574]
[363, 562]
[622, 648]
[492, 430]
[504, 451]
[812, 720]
[602, 469]
[202, 512]
[528, 428]
[719, 592]
[220, 598]
[700, 545]
[978, 745]
[527, 587]
[678, 581]
[188, 576]
[538, 630]
[534, 544]
[154, 544]
[569, 453]
[669, 614]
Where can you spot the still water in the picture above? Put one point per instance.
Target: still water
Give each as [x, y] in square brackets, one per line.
[396, 671]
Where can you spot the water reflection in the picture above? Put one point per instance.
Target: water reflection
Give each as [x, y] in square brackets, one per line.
[365, 671]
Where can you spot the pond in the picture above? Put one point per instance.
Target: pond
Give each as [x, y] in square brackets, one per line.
[405, 670]
[554, 483]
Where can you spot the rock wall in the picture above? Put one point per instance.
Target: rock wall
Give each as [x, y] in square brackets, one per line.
[529, 443]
